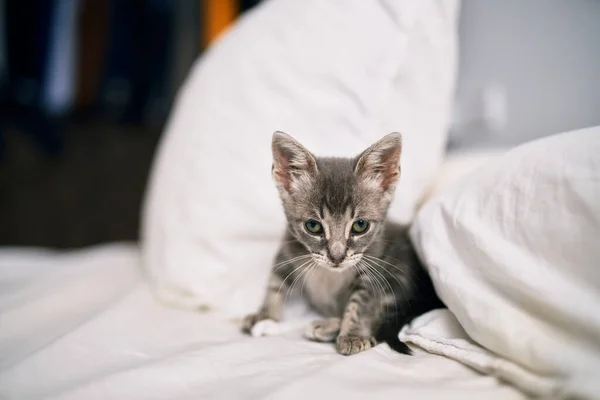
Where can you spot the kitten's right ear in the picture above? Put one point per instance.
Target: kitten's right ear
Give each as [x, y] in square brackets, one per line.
[380, 163]
[293, 165]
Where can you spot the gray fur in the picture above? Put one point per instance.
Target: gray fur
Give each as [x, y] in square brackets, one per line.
[367, 285]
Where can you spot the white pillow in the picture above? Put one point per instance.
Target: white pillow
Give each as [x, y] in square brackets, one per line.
[514, 252]
[337, 77]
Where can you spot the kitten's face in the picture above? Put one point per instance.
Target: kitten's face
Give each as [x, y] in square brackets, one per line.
[336, 207]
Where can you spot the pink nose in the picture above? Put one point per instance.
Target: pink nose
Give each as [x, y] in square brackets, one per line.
[336, 261]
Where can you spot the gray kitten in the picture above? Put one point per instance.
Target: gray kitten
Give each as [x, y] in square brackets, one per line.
[352, 266]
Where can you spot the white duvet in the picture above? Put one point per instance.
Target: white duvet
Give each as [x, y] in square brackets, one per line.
[338, 78]
[84, 325]
[514, 252]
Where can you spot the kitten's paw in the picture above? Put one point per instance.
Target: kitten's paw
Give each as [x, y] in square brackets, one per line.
[348, 345]
[250, 320]
[266, 327]
[325, 330]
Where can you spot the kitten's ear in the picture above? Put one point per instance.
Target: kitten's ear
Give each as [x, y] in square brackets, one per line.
[380, 163]
[293, 165]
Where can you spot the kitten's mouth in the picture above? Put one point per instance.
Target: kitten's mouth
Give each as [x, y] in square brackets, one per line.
[337, 265]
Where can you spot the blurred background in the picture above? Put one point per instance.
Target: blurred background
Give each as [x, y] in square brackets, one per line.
[87, 85]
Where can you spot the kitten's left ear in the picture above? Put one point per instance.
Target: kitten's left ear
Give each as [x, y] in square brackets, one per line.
[380, 163]
[294, 167]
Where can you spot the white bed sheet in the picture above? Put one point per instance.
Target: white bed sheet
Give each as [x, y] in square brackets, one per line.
[84, 325]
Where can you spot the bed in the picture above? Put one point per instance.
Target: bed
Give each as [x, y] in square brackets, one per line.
[86, 325]
[511, 246]
[91, 324]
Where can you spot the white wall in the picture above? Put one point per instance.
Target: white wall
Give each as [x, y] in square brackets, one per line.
[544, 54]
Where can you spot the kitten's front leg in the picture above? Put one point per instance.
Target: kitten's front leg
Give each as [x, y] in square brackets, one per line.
[324, 330]
[272, 306]
[360, 316]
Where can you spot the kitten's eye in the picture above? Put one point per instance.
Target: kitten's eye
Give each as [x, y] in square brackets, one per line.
[313, 227]
[360, 226]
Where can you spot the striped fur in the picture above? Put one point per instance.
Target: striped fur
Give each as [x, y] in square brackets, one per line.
[367, 285]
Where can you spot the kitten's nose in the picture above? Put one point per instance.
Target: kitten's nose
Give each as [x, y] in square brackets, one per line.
[336, 252]
[336, 261]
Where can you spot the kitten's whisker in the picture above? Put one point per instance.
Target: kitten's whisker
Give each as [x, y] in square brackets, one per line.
[391, 258]
[378, 260]
[368, 278]
[397, 267]
[375, 271]
[383, 290]
[297, 279]
[362, 272]
[358, 266]
[383, 241]
[409, 280]
[288, 275]
[292, 259]
[375, 284]
[289, 241]
[373, 258]
[380, 287]
[291, 288]
[312, 268]
[400, 283]
[383, 267]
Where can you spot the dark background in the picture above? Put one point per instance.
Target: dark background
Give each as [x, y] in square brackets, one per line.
[85, 89]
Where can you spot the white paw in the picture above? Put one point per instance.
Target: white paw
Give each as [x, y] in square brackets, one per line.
[266, 327]
[323, 330]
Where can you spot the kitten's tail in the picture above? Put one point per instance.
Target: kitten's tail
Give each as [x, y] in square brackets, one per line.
[399, 346]
[388, 332]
